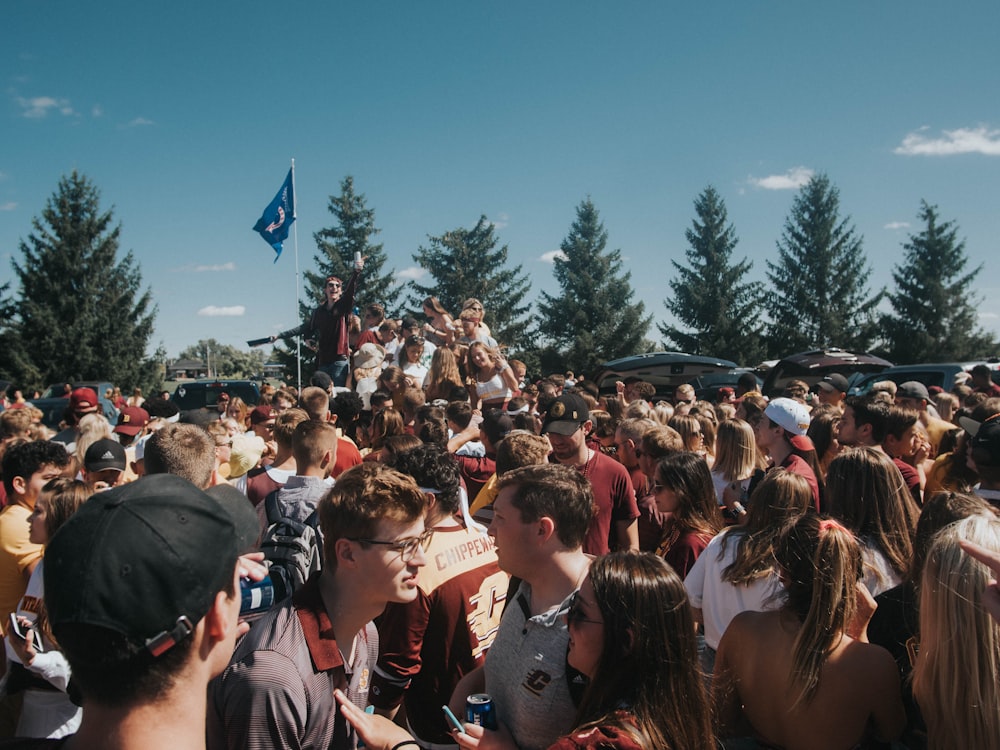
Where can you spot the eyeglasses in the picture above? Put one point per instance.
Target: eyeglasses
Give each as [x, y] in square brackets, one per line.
[334, 285]
[415, 340]
[657, 486]
[407, 547]
[574, 615]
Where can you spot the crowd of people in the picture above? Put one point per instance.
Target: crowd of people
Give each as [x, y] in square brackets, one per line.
[425, 522]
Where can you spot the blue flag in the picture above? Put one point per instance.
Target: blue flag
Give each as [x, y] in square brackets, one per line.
[274, 223]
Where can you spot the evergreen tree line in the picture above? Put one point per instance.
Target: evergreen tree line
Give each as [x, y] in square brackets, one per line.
[81, 312]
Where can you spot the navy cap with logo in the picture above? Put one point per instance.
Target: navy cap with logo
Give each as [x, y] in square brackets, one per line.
[145, 560]
[566, 414]
[834, 382]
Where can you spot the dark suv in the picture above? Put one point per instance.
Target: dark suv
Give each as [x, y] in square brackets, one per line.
[204, 394]
[812, 367]
[664, 370]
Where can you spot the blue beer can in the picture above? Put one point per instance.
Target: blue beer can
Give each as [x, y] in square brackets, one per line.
[479, 710]
[256, 598]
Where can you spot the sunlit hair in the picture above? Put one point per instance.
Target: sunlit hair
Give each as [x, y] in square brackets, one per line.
[752, 407]
[956, 680]
[658, 442]
[554, 491]
[823, 433]
[736, 455]
[241, 408]
[63, 497]
[433, 303]
[472, 302]
[638, 409]
[777, 502]
[363, 496]
[649, 660]
[470, 366]
[90, 429]
[867, 493]
[433, 427]
[689, 428]
[443, 375]
[663, 411]
[385, 424]
[821, 565]
[407, 353]
[687, 475]
[521, 449]
[708, 433]
[634, 429]
[941, 509]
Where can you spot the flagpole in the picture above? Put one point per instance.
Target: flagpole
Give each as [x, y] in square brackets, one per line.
[295, 230]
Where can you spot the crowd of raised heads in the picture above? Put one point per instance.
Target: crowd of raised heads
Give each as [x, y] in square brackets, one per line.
[624, 570]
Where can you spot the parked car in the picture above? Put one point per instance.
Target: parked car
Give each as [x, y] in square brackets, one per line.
[706, 387]
[664, 370]
[940, 374]
[204, 394]
[811, 367]
[53, 402]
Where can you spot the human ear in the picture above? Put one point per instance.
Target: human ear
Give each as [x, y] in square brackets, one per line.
[344, 551]
[20, 485]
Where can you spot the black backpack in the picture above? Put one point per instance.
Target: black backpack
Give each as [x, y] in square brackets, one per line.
[292, 549]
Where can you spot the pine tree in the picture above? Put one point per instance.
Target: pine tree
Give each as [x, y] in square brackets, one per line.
[934, 310]
[710, 296]
[467, 263]
[81, 314]
[819, 293]
[337, 245]
[593, 320]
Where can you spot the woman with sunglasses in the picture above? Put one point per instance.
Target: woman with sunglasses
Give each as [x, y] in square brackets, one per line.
[476, 307]
[686, 499]
[440, 328]
[632, 635]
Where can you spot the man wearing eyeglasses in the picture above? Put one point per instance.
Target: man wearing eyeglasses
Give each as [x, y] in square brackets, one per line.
[278, 688]
[328, 324]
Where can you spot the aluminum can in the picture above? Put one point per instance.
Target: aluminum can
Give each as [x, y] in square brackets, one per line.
[256, 598]
[479, 710]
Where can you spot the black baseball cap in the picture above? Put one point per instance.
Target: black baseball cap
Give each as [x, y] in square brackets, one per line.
[104, 454]
[145, 560]
[986, 443]
[835, 381]
[565, 415]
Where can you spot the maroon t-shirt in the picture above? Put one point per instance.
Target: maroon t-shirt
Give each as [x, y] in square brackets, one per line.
[615, 500]
[911, 476]
[796, 465]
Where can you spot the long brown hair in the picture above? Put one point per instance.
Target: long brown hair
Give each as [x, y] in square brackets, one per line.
[687, 475]
[443, 376]
[778, 501]
[821, 564]
[649, 660]
[867, 493]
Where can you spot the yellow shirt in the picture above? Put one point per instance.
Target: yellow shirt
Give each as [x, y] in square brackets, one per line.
[16, 554]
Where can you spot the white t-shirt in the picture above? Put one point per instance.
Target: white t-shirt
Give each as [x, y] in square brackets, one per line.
[719, 600]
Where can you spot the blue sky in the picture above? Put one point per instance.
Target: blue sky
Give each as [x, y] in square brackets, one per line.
[186, 116]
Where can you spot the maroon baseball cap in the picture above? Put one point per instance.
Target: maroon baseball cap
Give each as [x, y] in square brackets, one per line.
[83, 400]
[261, 414]
[131, 420]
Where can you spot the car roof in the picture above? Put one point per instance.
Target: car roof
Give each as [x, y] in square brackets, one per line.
[660, 358]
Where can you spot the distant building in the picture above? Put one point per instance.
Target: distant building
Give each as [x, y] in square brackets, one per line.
[186, 368]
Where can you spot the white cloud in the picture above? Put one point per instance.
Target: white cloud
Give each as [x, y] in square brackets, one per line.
[97, 111]
[9, 206]
[40, 106]
[991, 316]
[222, 312]
[793, 179]
[550, 256]
[412, 273]
[897, 225]
[501, 221]
[139, 122]
[961, 141]
[230, 266]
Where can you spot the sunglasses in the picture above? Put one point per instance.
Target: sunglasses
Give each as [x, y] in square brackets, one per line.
[575, 616]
